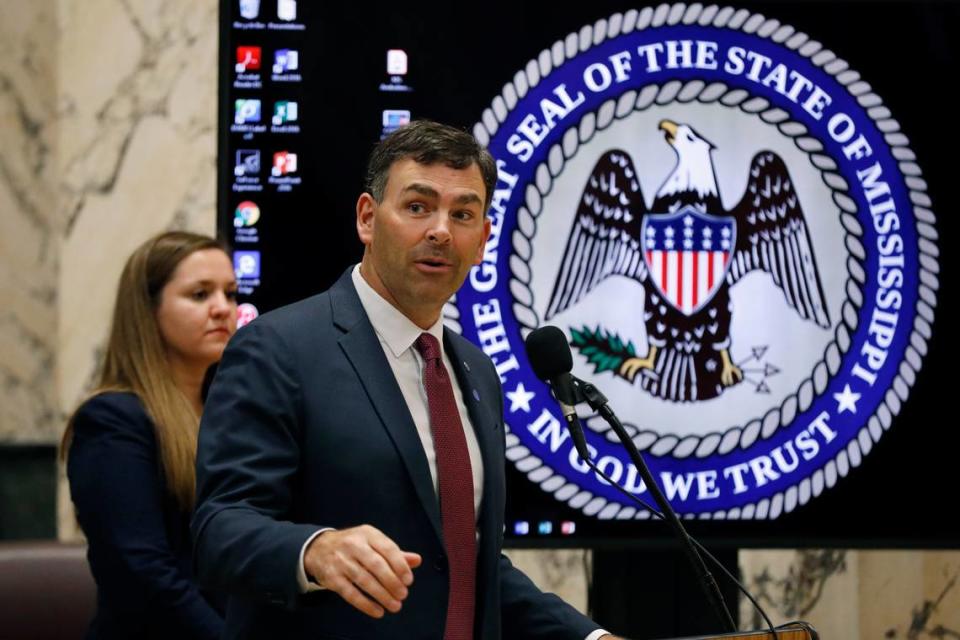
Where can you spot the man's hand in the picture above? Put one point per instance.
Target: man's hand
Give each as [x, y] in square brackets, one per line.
[362, 565]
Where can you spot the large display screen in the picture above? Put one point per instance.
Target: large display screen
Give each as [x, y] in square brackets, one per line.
[738, 216]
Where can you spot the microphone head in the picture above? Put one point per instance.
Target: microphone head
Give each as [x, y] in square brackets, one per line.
[549, 352]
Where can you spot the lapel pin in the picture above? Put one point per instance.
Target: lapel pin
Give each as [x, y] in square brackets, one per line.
[476, 395]
[466, 366]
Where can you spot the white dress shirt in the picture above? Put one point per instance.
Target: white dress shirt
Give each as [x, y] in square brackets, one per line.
[397, 334]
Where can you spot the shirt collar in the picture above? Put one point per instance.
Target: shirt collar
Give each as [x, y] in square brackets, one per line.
[396, 330]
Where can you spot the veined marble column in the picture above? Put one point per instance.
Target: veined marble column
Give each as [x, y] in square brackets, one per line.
[137, 148]
[29, 241]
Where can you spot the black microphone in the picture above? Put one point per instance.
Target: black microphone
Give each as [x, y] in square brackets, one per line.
[549, 354]
[550, 357]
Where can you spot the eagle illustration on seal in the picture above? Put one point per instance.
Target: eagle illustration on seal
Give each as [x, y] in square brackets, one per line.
[686, 252]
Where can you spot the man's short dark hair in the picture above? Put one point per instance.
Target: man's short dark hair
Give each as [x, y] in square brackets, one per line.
[428, 142]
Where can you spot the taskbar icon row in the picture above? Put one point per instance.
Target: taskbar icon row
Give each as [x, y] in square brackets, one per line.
[544, 528]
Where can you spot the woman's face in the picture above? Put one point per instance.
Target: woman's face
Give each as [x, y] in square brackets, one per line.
[197, 313]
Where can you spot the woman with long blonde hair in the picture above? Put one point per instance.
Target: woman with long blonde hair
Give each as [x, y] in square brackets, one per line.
[131, 446]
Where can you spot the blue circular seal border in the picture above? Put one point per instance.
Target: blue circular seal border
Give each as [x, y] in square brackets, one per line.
[842, 438]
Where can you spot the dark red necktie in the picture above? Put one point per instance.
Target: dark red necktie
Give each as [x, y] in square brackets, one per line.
[456, 490]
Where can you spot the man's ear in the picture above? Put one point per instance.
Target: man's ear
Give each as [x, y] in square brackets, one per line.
[486, 236]
[366, 206]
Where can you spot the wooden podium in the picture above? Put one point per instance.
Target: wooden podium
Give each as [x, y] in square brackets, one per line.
[791, 631]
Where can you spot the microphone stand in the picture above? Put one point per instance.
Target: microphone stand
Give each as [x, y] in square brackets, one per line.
[587, 392]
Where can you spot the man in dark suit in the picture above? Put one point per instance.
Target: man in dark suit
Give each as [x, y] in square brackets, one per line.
[348, 485]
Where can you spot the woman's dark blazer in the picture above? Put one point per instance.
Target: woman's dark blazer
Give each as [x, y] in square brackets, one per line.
[139, 542]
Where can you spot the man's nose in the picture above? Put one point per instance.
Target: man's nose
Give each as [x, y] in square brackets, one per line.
[439, 231]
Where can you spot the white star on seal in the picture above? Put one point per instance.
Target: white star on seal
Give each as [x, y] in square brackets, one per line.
[847, 400]
[520, 398]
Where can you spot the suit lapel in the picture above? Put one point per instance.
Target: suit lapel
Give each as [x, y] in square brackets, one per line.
[362, 348]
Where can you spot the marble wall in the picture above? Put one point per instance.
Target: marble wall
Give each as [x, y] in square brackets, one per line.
[137, 150]
[107, 135]
[857, 594]
[108, 111]
[29, 240]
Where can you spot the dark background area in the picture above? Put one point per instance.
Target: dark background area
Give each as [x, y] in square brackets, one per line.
[460, 58]
[28, 492]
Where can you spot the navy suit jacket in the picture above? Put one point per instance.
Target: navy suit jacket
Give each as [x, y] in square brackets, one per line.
[139, 539]
[306, 427]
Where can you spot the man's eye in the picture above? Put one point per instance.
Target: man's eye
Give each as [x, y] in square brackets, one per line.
[463, 215]
[199, 294]
[231, 295]
[416, 207]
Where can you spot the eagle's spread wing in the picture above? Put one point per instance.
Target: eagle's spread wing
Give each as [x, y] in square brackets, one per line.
[605, 237]
[772, 235]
